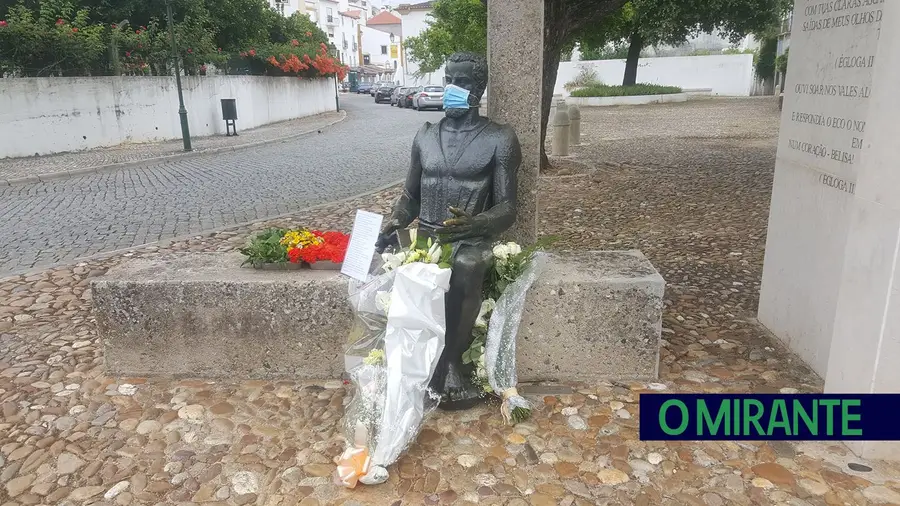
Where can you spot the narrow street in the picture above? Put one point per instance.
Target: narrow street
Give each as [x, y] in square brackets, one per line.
[61, 220]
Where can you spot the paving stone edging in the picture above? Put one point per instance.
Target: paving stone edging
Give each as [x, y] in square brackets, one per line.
[165, 242]
[150, 161]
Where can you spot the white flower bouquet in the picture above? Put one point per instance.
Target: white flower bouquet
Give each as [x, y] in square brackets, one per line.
[493, 349]
[395, 345]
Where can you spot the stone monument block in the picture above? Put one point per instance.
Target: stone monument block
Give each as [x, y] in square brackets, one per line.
[589, 316]
[829, 287]
[204, 316]
[592, 316]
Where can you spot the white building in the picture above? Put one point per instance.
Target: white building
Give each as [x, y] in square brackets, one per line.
[382, 45]
[380, 49]
[414, 20]
[288, 7]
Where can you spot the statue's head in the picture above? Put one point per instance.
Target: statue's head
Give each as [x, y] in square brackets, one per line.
[470, 71]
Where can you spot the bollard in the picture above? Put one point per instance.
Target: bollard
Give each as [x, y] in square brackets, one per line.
[575, 127]
[561, 123]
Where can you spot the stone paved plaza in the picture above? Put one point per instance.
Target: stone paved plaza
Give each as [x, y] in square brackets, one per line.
[688, 184]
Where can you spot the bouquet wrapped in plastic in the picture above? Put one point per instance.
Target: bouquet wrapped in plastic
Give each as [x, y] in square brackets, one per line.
[500, 344]
[493, 349]
[396, 342]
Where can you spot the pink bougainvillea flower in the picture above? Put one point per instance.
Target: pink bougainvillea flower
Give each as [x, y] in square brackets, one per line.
[309, 34]
[3, 23]
[114, 26]
[137, 32]
[127, 53]
[74, 30]
[60, 22]
[252, 52]
[295, 42]
[190, 50]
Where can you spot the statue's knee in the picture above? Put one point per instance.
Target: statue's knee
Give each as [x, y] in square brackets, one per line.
[469, 262]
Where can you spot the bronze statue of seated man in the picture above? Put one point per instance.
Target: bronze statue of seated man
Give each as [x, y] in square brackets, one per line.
[462, 188]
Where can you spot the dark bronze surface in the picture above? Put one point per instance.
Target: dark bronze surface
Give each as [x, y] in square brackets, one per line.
[462, 188]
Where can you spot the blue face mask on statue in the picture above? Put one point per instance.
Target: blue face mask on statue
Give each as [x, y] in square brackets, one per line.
[456, 97]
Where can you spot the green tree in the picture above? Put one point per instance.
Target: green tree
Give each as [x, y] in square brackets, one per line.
[454, 25]
[643, 23]
[765, 63]
[461, 25]
[55, 41]
[241, 23]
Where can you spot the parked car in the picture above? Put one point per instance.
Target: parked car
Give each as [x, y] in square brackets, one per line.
[383, 94]
[377, 85]
[364, 88]
[406, 100]
[398, 92]
[429, 97]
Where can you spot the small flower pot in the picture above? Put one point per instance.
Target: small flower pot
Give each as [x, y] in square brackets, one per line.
[326, 266]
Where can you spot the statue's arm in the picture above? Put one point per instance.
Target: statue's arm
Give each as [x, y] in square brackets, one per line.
[507, 159]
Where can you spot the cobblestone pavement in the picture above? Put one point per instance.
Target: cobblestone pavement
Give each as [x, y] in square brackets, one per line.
[69, 435]
[37, 166]
[63, 219]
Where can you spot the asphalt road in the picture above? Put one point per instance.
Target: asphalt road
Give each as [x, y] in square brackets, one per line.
[45, 223]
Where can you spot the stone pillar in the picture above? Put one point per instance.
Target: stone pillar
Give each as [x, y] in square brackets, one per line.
[865, 347]
[515, 60]
[830, 280]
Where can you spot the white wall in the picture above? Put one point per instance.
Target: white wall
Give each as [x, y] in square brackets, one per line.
[52, 115]
[414, 23]
[730, 75]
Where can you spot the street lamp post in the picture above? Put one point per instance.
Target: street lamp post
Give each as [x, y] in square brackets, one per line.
[337, 100]
[182, 112]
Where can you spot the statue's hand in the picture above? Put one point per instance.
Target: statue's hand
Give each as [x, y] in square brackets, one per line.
[384, 239]
[462, 226]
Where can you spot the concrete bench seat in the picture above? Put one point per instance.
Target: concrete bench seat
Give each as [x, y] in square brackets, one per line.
[589, 316]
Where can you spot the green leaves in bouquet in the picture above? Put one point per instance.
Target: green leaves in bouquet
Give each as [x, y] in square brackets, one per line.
[265, 248]
[446, 256]
[476, 349]
[519, 415]
[506, 272]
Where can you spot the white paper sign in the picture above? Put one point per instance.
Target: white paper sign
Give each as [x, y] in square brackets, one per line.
[361, 249]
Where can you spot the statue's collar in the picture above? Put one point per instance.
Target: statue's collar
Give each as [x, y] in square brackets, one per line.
[468, 137]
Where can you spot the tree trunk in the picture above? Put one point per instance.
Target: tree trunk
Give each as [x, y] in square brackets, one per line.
[562, 18]
[551, 69]
[557, 24]
[635, 44]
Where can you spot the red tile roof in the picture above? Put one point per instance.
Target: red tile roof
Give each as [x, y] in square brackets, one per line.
[352, 14]
[384, 18]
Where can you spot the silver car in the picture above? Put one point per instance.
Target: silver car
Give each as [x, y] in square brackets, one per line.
[430, 97]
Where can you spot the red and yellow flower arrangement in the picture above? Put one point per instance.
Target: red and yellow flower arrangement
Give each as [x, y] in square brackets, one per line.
[326, 246]
[296, 246]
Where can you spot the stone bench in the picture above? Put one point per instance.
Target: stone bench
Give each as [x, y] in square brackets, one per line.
[590, 316]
